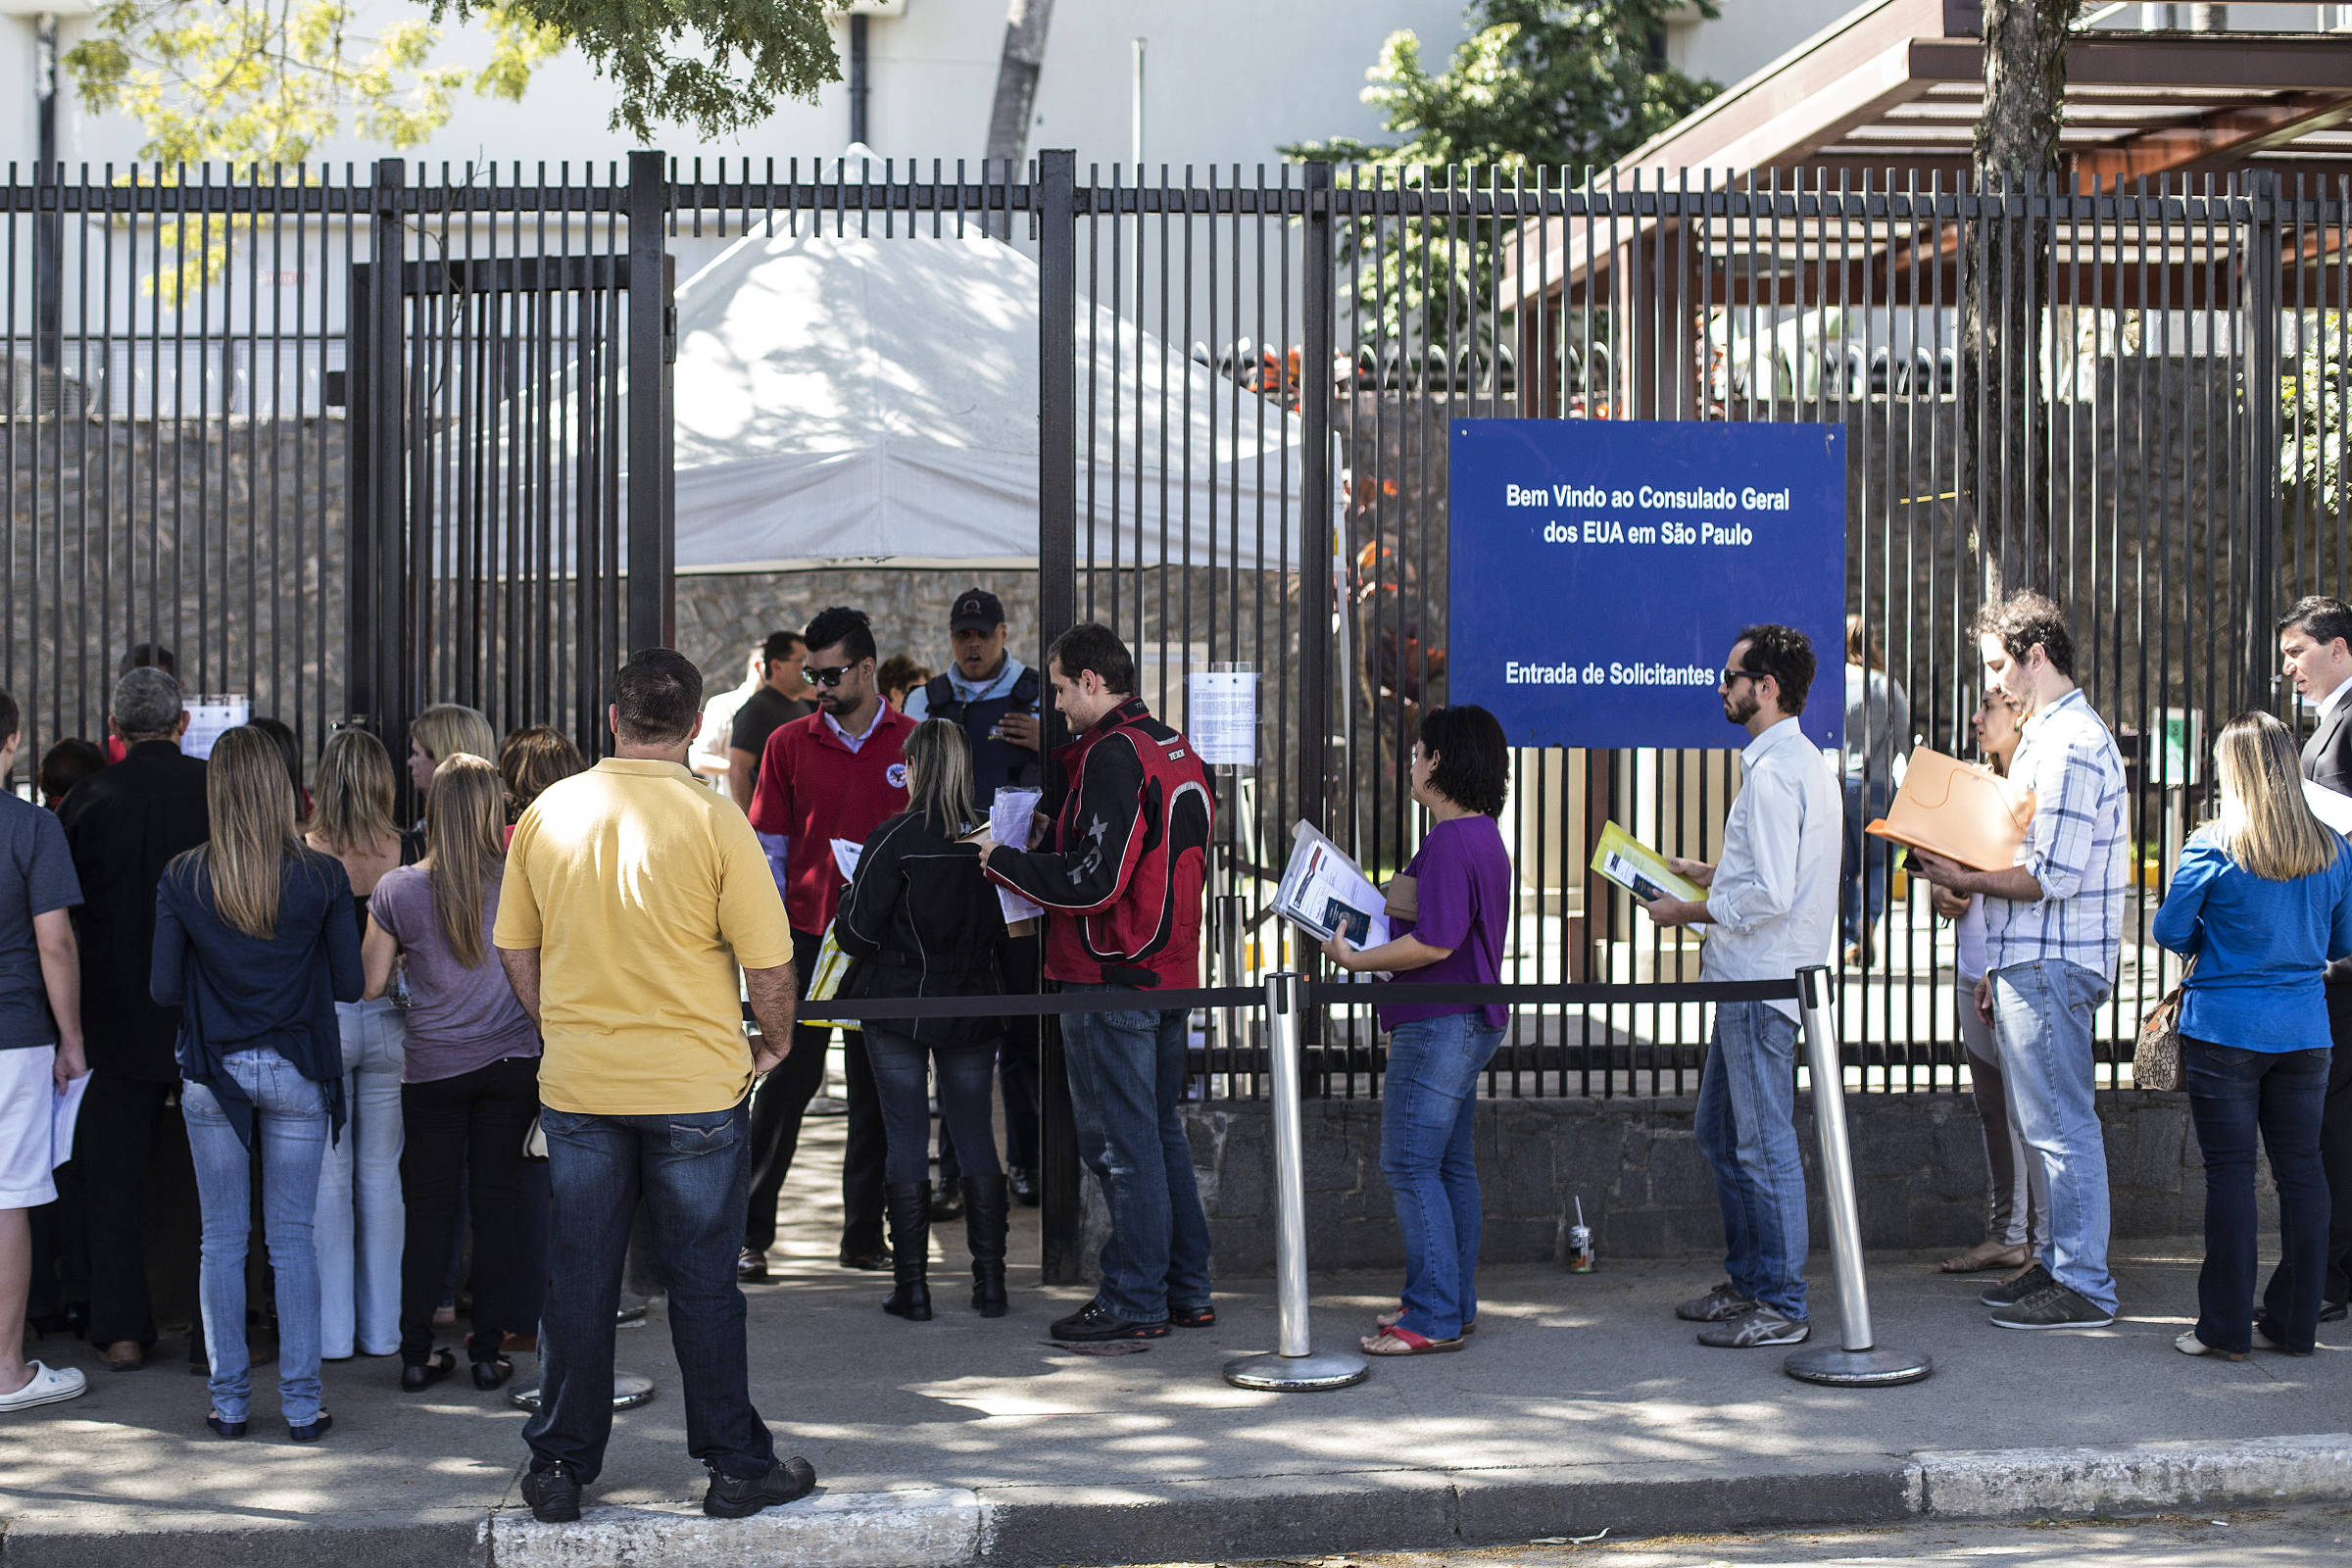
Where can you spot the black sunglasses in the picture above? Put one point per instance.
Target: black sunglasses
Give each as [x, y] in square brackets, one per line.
[1731, 675]
[830, 675]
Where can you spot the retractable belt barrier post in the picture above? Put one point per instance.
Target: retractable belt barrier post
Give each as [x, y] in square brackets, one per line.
[1293, 1366]
[1857, 1362]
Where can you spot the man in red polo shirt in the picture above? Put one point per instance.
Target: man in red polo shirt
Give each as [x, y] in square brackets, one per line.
[836, 774]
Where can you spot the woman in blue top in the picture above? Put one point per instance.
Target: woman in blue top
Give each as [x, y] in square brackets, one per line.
[1462, 770]
[2262, 901]
[255, 942]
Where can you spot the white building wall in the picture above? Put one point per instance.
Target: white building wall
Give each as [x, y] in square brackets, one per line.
[1226, 81]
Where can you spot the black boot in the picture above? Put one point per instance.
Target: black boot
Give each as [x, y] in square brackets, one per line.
[909, 1207]
[984, 1198]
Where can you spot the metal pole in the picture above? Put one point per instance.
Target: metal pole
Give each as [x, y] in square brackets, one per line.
[652, 602]
[1293, 1367]
[1228, 907]
[1859, 1362]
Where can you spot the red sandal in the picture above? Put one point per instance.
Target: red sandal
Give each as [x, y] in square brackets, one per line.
[1394, 1341]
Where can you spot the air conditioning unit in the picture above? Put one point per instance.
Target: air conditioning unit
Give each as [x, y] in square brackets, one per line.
[27, 389]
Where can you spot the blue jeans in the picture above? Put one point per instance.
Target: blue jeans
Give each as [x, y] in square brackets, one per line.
[2041, 1020]
[290, 1120]
[2232, 1094]
[1863, 878]
[1747, 1132]
[692, 1171]
[901, 1083]
[1429, 1099]
[360, 1220]
[1126, 1081]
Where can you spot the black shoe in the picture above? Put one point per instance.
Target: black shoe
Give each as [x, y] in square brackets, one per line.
[750, 1265]
[492, 1373]
[1204, 1316]
[225, 1428]
[415, 1379]
[554, 1493]
[2010, 1292]
[947, 1199]
[984, 1229]
[909, 1205]
[731, 1498]
[2335, 1311]
[1023, 1182]
[2053, 1307]
[871, 1261]
[1094, 1321]
[314, 1432]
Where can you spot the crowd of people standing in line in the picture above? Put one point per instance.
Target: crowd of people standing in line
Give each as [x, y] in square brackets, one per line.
[559, 957]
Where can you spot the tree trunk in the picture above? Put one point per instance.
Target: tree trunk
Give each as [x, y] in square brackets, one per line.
[1024, 55]
[2003, 483]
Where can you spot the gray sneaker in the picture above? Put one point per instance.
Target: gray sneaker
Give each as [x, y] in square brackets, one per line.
[1718, 1305]
[1754, 1329]
[2010, 1292]
[2053, 1307]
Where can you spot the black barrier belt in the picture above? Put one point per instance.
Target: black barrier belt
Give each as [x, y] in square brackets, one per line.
[883, 1009]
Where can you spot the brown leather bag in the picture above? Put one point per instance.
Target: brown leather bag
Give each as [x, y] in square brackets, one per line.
[1964, 813]
[2156, 1054]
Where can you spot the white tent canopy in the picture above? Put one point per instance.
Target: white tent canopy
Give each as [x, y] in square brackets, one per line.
[846, 400]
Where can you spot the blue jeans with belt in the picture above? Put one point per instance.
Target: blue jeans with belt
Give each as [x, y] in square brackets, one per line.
[290, 1122]
[692, 1169]
[1429, 1098]
[1745, 1127]
[1126, 1080]
[2234, 1095]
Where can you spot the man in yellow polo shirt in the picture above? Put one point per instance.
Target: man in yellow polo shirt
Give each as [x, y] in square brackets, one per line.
[632, 895]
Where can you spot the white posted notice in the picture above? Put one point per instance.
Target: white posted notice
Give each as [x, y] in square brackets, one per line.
[1221, 717]
[209, 716]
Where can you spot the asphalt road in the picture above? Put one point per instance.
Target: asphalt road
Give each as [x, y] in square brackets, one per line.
[2314, 1539]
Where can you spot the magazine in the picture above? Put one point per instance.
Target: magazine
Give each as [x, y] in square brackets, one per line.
[1640, 870]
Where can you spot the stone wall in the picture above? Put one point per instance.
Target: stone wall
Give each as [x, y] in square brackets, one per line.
[1919, 1168]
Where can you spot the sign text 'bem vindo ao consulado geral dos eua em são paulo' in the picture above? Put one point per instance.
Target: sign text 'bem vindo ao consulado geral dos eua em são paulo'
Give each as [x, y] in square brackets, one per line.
[1601, 570]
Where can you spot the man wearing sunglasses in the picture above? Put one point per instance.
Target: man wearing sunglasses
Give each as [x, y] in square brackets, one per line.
[836, 774]
[1771, 908]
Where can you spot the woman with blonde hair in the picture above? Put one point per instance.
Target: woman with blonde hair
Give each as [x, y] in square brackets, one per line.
[359, 1222]
[254, 942]
[921, 921]
[443, 731]
[471, 1078]
[2261, 902]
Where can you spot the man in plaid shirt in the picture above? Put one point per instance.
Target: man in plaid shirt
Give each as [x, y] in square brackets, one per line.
[2053, 925]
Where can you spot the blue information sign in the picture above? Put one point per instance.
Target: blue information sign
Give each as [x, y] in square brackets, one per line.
[1601, 569]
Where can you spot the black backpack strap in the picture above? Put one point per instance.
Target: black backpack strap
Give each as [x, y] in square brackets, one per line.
[1026, 689]
[940, 694]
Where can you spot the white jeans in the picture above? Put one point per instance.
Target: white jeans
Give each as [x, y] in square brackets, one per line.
[361, 1222]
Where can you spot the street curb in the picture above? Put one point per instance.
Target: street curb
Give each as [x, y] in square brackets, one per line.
[1269, 1516]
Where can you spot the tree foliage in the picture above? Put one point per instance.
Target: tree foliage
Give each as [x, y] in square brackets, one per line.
[1537, 85]
[257, 83]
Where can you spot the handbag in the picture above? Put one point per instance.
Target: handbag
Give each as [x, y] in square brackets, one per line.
[2156, 1054]
[1967, 814]
[534, 1139]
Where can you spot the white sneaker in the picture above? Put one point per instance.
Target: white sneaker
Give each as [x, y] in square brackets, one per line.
[49, 1385]
[2188, 1343]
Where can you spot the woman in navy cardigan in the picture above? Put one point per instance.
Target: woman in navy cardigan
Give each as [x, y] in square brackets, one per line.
[2262, 901]
[256, 943]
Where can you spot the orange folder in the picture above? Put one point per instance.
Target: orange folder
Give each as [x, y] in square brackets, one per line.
[1961, 812]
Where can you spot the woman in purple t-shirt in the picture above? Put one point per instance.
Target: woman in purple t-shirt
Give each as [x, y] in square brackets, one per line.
[469, 1086]
[1461, 875]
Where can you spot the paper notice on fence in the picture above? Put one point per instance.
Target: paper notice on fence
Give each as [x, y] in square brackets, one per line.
[2329, 806]
[1640, 870]
[210, 717]
[1012, 819]
[1324, 890]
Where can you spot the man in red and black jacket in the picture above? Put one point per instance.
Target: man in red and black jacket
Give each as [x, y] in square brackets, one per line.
[1120, 877]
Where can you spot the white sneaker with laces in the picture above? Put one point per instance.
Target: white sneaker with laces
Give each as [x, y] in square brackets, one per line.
[49, 1385]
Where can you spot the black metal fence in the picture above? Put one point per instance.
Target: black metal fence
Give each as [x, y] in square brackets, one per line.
[225, 433]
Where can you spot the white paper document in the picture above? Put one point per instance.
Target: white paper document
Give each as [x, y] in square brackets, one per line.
[1221, 717]
[1012, 819]
[2329, 806]
[844, 857]
[1324, 890]
[63, 1111]
[208, 717]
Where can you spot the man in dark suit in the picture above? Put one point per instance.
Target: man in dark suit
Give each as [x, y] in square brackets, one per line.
[2314, 648]
[123, 824]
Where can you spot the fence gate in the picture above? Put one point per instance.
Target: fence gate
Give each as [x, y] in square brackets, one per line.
[509, 353]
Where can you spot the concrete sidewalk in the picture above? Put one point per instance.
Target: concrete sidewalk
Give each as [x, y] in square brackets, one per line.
[1580, 1403]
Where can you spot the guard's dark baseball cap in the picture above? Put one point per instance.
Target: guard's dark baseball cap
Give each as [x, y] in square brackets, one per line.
[976, 610]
